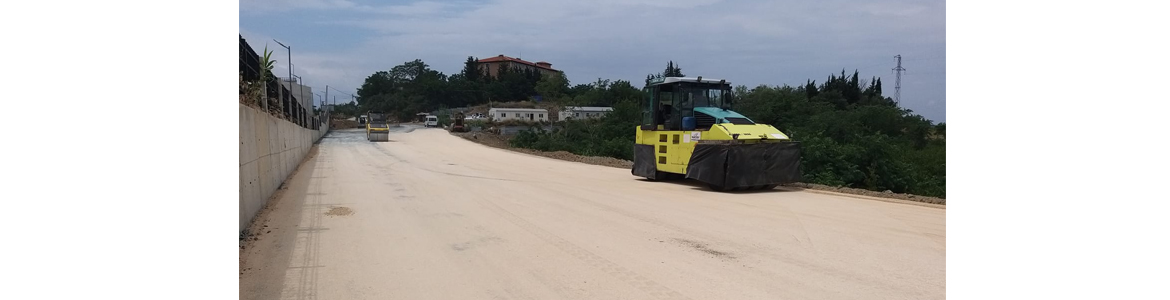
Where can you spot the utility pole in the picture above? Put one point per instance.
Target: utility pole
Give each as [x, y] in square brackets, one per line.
[352, 96]
[289, 58]
[290, 78]
[898, 79]
[327, 95]
[301, 96]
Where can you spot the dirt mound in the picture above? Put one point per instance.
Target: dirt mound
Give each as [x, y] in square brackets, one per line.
[344, 124]
[499, 141]
[865, 192]
[593, 160]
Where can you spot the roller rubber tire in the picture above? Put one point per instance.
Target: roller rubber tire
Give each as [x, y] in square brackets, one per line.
[659, 176]
[718, 188]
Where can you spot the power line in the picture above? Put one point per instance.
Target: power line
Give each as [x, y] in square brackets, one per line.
[340, 91]
[352, 96]
[926, 73]
[927, 59]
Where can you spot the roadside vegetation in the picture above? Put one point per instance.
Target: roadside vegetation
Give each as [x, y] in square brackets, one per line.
[851, 135]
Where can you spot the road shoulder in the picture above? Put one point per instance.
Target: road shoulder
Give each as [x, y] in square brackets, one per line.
[497, 141]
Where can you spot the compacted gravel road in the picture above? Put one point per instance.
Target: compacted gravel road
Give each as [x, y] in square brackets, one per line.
[432, 216]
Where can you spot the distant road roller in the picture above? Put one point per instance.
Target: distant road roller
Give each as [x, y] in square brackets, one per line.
[378, 127]
[689, 131]
[457, 123]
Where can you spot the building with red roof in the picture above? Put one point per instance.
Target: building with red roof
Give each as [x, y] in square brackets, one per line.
[492, 65]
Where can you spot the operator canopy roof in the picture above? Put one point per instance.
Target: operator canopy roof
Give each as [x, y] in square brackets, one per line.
[699, 79]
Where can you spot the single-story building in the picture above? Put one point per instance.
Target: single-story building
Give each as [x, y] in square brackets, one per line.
[583, 112]
[522, 114]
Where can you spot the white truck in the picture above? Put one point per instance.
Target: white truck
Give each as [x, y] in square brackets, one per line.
[432, 121]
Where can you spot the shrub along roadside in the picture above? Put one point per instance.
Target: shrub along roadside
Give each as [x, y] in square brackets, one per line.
[851, 136]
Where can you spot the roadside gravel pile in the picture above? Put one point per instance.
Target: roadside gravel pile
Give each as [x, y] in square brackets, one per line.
[345, 124]
[865, 192]
[498, 141]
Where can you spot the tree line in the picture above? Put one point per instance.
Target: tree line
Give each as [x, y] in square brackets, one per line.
[851, 135]
[414, 87]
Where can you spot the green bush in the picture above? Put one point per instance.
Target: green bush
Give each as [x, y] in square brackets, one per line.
[475, 123]
[850, 135]
[582, 137]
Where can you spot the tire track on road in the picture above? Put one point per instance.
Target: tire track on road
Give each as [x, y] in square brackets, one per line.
[652, 288]
[754, 249]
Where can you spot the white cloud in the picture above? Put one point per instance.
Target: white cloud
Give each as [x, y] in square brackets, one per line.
[893, 9]
[418, 8]
[772, 42]
[287, 5]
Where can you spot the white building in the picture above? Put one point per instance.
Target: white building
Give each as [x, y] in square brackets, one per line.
[583, 112]
[302, 93]
[522, 114]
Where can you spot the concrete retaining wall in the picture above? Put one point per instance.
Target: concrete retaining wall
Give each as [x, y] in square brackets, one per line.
[270, 150]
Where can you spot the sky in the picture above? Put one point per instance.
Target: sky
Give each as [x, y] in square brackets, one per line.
[341, 42]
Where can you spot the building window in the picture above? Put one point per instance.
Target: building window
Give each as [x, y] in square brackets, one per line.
[576, 114]
[517, 115]
[542, 115]
[503, 115]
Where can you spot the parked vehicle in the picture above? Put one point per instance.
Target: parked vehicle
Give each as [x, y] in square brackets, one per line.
[432, 121]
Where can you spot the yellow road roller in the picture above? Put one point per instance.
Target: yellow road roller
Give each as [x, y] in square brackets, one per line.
[689, 131]
[378, 127]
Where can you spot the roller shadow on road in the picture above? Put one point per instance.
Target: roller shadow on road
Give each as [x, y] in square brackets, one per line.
[698, 185]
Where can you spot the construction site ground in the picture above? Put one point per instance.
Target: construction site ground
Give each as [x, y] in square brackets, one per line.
[430, 215]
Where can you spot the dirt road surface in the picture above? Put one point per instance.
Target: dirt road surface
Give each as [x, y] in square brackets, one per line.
[432, 216]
